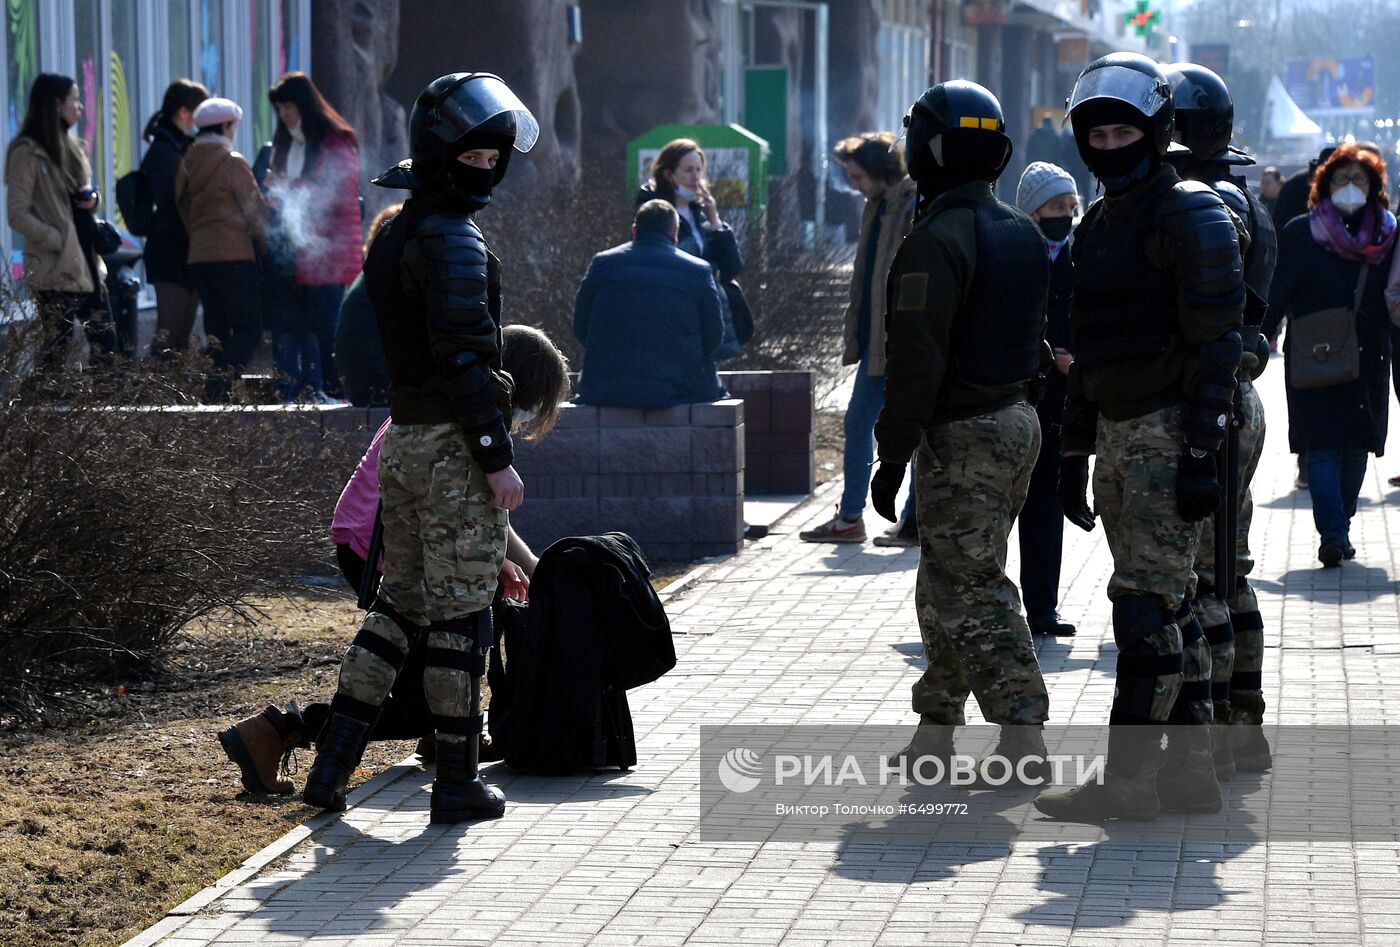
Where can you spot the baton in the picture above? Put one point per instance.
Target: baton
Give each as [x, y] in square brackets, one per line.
[369, 579]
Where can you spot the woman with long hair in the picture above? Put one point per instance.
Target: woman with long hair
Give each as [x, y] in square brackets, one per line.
[313, 189]
[171, 131]
[1338, 257]
[50, 203]
[678, 176]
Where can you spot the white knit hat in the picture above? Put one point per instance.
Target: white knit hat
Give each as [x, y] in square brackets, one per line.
[1040, 182]
[217, 112]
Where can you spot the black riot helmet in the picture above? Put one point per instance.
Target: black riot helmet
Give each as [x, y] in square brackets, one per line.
[1122, 89]
[1204, 113]
[955, 133]
[457, 113]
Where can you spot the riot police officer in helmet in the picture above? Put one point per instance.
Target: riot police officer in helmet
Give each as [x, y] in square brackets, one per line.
[446, 470]
[965, 342]
[1226, 605]
[1155, 319]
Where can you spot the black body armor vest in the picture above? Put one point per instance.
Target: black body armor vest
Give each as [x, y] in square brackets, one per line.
[1124, 307]
[998, 336]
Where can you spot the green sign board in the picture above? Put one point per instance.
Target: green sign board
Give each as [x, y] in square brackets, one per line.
[736, 161]
[766, 111]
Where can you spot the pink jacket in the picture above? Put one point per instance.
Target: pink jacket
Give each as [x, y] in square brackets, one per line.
[330, 193]
[359, 501]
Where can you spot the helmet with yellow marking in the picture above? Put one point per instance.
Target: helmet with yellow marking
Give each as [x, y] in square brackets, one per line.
[956, 133]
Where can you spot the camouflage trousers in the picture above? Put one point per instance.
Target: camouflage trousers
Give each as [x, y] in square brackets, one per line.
[1153, 552]
[1135, 495]
[1233, 628]
[444, 544]
[972, 477]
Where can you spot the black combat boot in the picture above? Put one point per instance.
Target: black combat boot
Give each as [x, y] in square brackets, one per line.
[1128, 790]
[338, 753]
[459, 793]
[1186, 781]
[1016, 743]
[1248, 743]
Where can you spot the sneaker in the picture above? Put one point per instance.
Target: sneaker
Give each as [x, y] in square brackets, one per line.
[903, 533]
[835, 530]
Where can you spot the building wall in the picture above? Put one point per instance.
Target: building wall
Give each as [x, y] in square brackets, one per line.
[123, 53]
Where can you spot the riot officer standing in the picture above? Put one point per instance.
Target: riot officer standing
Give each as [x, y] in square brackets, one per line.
[1227, 607]
[1155, 319]
[965, 342]
[446, 479]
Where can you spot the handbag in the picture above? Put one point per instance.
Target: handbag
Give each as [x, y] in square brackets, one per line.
[1322, 347]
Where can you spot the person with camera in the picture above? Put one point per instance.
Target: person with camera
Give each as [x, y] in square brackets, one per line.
[51, 203]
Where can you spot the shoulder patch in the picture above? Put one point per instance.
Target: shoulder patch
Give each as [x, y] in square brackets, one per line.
[913, 292]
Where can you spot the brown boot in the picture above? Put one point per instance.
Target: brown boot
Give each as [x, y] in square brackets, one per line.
[260, 744]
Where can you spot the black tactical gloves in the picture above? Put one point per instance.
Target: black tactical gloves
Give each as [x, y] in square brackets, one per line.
[1197, 487]
[1073, 491]
[1210, 400]
[884, 487]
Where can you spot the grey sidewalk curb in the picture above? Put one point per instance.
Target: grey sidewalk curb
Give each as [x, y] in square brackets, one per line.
[275, 850]
[197, 902]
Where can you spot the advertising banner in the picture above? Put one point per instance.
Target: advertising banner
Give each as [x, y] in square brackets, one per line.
[1323, 87]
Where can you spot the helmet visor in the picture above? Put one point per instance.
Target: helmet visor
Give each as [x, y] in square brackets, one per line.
[1138, 90]
[476, 100]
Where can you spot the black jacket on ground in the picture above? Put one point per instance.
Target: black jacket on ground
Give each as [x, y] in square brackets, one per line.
[595, 628]
[168, 244]
[1309, 278]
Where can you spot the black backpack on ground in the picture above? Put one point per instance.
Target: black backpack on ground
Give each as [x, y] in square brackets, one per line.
[594, 628]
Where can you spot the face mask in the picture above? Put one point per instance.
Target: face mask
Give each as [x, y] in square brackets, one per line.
[684, 193]
[521, 416]
[1120, 168]
[1056, 228]
[473, 185]
[1349, 199]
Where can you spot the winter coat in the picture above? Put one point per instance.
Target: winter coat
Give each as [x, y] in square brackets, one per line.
[321, 210]
[1309, 278]
[595, 628]
[648, 316]
[896, 216]
[40, 208]
[359, 355]
[1057, 333]
[721, 251]
[168, 244]
[219, 202]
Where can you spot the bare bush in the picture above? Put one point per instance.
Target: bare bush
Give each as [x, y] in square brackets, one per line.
[122, 518]
[796, 287]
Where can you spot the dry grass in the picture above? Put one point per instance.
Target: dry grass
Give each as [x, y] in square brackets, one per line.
[110, 822]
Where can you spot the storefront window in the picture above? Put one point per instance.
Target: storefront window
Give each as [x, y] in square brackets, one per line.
[179, 26]
[124, 75]
[211, 44]
[289, 45]
[265, 14]
[91, 76]
[21, 67]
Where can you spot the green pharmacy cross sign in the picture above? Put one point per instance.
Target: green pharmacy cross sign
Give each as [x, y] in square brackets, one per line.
[1143, 18]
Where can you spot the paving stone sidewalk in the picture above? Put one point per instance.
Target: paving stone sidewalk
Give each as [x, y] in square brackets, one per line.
[789, 633]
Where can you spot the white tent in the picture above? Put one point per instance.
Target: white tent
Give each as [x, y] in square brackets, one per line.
[1283, 118]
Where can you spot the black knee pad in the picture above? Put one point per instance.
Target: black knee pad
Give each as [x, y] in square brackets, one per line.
[409, 629]
[1135, 618]
[476, 628]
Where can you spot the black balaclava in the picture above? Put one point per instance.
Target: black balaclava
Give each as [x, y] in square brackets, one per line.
[1117, 169]
[470, 186]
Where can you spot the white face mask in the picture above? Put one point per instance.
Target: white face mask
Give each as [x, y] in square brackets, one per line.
[1349, 199]
[684, 193]
[521, 417]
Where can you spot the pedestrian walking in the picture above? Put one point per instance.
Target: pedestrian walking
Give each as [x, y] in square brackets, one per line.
[874, 163]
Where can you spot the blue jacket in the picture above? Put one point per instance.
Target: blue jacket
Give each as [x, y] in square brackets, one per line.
[648, 316]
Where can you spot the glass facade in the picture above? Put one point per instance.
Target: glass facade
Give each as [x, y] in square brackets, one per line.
[123, 53]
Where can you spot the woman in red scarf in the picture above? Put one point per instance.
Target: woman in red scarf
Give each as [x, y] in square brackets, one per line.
[1321, 260]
